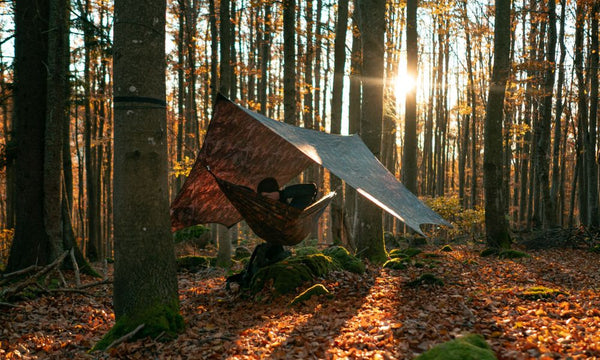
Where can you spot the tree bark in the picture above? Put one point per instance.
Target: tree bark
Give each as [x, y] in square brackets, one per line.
[31, 243]
[226, 40]
[543, 125]
[289, 61]
[145, 282]
[337, 205]
[409, 158]
[594, 212]
[497, 235]
[369, 235]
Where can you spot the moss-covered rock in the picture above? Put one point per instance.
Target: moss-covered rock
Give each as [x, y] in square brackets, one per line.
[346, 260]
[306, 250]
[404, 253]
[290, 273]
[161, 319]
[512, 254]
[447, 248]
[241, 252]
[194, 263]
[198, 235]
[489, 252]
[315, 290]
[469, 347]
[426, 279]
[540, 292]
[396, 264]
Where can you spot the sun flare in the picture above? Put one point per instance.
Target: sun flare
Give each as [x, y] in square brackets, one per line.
[404, 83]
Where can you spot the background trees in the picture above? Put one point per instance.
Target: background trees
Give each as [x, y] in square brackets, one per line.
[550, 108]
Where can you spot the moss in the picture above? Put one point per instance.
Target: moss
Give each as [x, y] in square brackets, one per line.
[469, 347]
[241, 252]
[396, 264]
[447, 248]
[427, 279]
[306, 250]
[540, 292]
[512, 254]
[489, 252]
[194, 263]
[315, 290]
[160, 319]
[345, 259]
[288, 274]
[404, 253]
[190, 233]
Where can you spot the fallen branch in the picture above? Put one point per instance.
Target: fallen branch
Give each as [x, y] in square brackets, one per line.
[5, 277]
[86, 286]
[125, 337]
[32, 279]
[9, 305]
[75, 267]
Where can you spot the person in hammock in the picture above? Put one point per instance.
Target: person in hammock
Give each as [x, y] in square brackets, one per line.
[265, 254]
[299, 196]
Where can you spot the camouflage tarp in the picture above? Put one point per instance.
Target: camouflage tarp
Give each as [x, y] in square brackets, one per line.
[244, 147]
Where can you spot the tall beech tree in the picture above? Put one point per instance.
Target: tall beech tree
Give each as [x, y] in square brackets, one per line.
[371, 15]
[409, 159]
[496, 225]
[145, 281]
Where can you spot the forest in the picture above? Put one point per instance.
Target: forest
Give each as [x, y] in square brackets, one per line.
[485, 111]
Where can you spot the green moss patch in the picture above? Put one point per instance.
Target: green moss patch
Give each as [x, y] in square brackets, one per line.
[396, 264]
[315, 290]
[194, 263]
[512, 254]
[345, 259]
[161, 319]
[404, 253]
[426, 279]
[540, 292]
[489, 252]
[241, 252]
[191, 233]
[468, 347]
[447, 248]
[290, 273]
[306, 250]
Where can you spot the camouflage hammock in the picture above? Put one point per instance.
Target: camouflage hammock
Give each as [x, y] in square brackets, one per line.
[274, 221]
[243, 147]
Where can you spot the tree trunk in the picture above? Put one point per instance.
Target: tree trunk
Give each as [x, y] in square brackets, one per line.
[556, 154]
[369, 235]
[145, 281]
[31, 244]
[582, 114]
[226, 40]
[289, 61]
[409, 158]
[497, 235]
[337, 206]
[543, 128]
[594, 214]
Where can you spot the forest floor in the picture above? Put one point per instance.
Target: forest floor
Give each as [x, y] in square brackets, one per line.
[370, 316]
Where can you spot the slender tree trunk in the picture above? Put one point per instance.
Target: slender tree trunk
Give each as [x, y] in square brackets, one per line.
[543, 128]
[592, 165]
[409, 159]
[265, 60]
[582, 114]
[226, 40]
[337, 205]
[289, 62]
[556, 171]
[369, 237]
[495, 221]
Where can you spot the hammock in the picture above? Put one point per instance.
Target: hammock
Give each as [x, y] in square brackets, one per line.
[274, 221]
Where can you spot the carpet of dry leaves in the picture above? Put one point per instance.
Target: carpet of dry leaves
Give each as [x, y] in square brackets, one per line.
[371, 316]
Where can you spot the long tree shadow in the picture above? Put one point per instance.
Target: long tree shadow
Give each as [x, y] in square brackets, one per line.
[325, 319]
